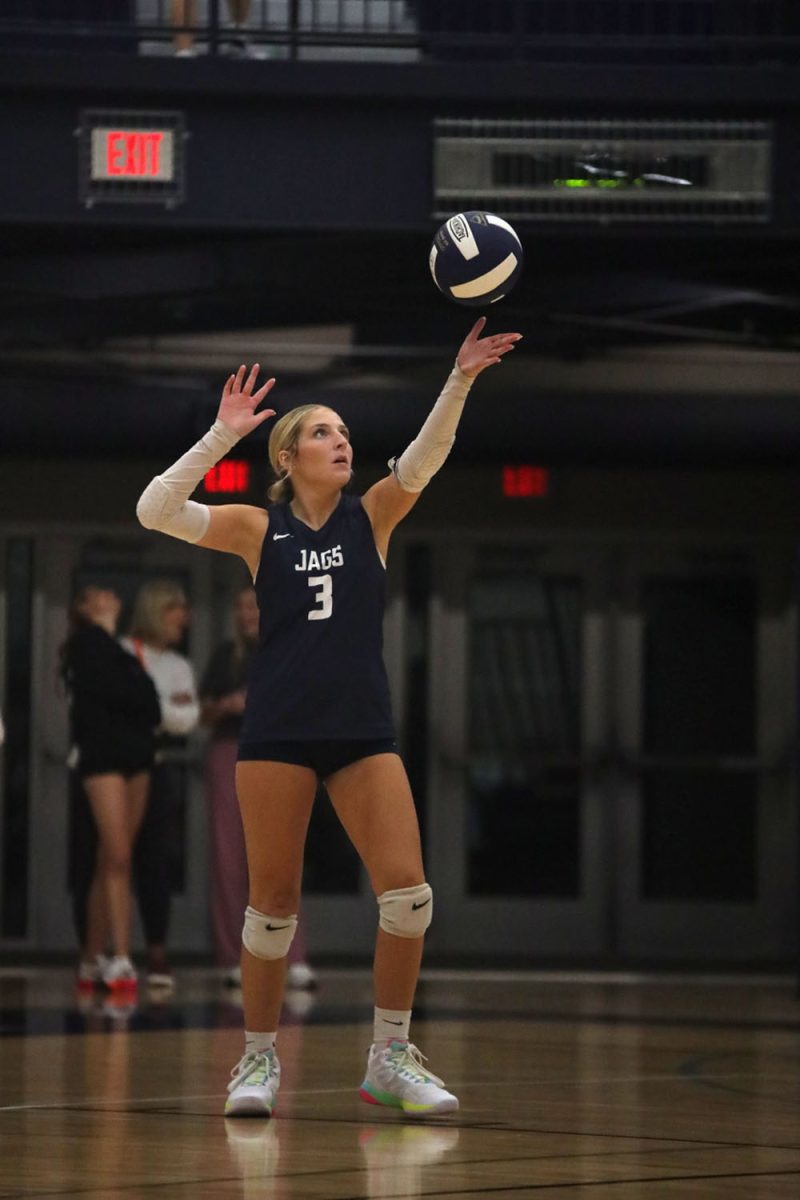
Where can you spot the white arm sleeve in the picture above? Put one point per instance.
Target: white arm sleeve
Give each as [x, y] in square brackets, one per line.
[165, 505]
[420, 461]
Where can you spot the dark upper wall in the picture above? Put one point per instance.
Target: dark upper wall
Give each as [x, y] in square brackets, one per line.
[328, 166]
[306, 145]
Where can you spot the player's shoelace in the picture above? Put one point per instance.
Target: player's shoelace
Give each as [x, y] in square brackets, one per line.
[409, 1062]
[255, 1069]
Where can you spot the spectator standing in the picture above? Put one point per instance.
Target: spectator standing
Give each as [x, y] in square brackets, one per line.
[237, 42]
[158, 624]
[114, 712]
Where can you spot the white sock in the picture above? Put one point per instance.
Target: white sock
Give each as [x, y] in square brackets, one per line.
[390, 1025]
[258, 1042]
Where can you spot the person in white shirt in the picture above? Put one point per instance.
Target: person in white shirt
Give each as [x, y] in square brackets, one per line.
[159, 622]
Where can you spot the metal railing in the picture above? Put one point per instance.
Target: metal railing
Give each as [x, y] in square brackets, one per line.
[710, 32]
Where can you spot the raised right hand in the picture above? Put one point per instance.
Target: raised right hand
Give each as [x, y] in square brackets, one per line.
[237, 408]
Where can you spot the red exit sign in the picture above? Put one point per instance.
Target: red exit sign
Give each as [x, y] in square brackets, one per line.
[525, 481]
[230, 477]
[133, 154]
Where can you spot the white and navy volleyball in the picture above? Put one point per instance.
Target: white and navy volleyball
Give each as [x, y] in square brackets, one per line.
[476, 258]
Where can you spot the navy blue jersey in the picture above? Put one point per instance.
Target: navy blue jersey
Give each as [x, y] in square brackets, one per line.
[318, 671]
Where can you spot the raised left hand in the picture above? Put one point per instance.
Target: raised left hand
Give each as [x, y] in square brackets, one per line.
[477, 353]
[237, 408]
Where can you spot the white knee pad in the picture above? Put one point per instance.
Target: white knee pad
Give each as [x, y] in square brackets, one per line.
[406, 912]
[267, 937]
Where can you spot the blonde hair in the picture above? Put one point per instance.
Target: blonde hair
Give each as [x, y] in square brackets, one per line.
[285, 436]
[151, 600]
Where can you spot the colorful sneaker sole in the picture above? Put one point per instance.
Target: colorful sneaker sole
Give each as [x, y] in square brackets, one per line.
[373, 1096]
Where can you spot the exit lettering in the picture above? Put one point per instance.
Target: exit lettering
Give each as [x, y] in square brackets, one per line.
[133, 154]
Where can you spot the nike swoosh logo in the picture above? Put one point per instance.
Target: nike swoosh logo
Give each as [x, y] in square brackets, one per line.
[386, 1021]
[275, 928]
[414, 907]
[276, 537]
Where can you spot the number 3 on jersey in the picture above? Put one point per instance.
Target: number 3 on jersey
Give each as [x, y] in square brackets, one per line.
[323, 597]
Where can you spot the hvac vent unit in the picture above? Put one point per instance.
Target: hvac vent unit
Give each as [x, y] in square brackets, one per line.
[608, 171]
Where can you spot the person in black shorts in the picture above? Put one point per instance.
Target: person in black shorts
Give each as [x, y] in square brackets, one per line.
[114, 712]
[318, 702]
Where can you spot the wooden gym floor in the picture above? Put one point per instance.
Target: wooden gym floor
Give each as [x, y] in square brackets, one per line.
[592, 1086]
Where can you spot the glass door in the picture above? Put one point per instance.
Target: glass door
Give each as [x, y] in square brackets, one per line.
[517, 837]
[611, 759]
[705, 721]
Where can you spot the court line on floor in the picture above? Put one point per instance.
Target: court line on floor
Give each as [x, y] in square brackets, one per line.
[460, 1086]
[464, 1085]
[133, 1108]
[518, 1189]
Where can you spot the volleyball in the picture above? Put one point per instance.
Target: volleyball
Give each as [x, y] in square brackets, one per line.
[475, 258]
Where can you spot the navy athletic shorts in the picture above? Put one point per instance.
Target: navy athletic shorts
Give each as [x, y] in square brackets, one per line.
[323, 757]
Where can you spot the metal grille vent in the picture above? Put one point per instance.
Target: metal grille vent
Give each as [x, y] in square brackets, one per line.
[609, 171]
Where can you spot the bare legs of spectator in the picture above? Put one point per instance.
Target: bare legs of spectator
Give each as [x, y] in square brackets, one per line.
[240, 14]
[241, 45]
[118, 807]
[183, 13]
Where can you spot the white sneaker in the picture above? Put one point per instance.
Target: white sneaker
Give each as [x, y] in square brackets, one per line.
[300, 975]
[299, 1004]
[232, 977]
[253, 1090]
[119, 974]
[396, 1076]
[90, 974]
[120, 1007]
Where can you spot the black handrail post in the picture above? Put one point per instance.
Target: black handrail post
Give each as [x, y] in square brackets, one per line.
[795, 770]
[213, 27]
[519, 30]
[294, 21]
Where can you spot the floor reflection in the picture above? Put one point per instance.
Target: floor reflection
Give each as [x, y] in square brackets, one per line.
[396, 1157]
[45, 1001]
[254, 1151]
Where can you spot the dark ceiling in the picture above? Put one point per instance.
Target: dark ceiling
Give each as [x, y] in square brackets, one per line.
[111, 339]
[579, 294]
[635, 347]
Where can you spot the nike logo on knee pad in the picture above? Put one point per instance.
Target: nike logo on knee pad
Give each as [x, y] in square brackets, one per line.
[414, 907]
[274, 928]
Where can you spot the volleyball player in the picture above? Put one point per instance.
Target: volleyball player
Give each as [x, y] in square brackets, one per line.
[318, 702]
